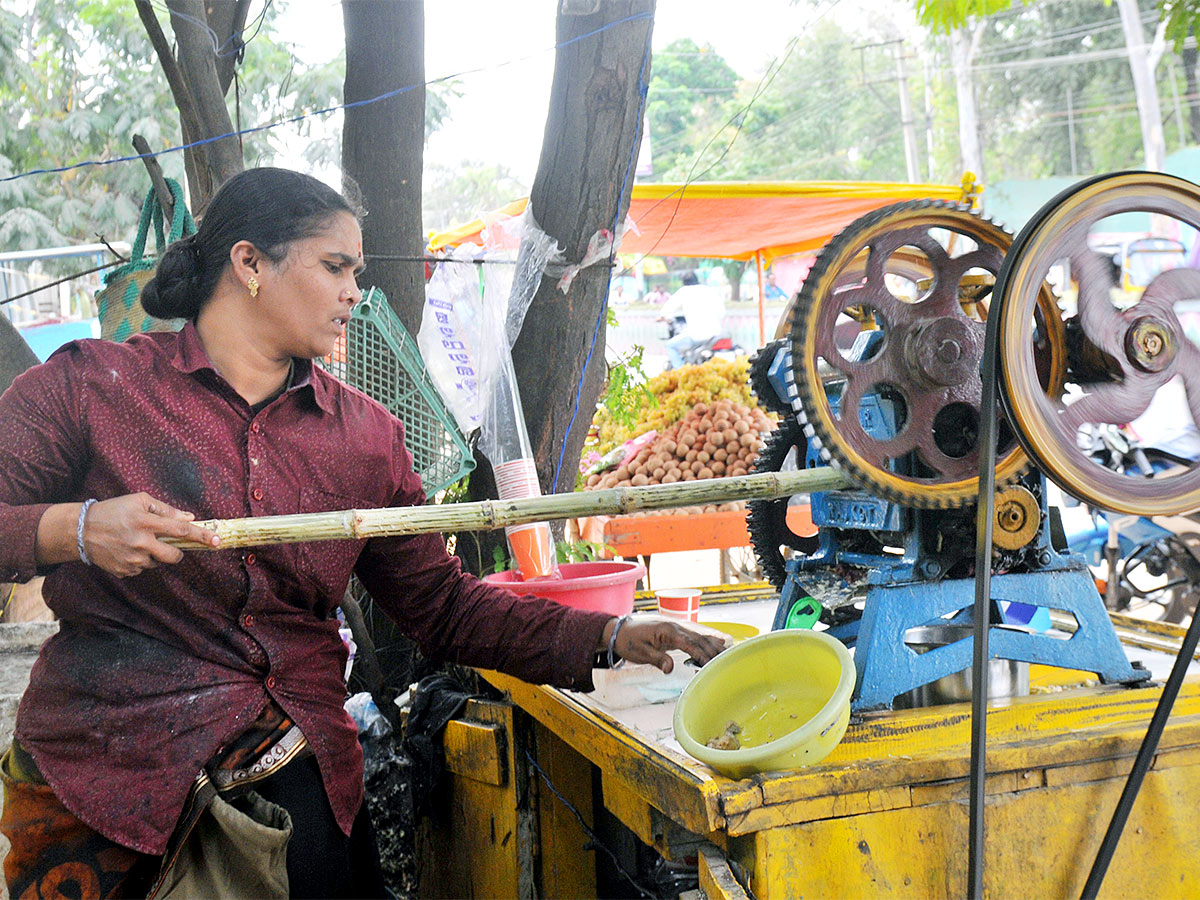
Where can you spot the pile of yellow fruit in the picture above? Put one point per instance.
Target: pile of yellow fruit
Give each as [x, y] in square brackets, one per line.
[676, 393]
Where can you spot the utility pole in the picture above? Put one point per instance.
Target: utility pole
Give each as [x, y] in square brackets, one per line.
[928, 120]
[1175, 100]
[906, 119]
[1071, 128]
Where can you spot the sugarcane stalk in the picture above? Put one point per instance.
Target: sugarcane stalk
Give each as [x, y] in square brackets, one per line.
[360, 524]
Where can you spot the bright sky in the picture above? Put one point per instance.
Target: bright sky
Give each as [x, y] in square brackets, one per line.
[501, 114]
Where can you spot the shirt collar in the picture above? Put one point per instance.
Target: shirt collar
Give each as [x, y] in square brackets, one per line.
[190, 357]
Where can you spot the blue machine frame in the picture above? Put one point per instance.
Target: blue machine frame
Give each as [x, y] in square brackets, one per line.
[909, 589]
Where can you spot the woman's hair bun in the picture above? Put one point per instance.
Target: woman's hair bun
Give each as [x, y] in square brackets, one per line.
[269, 208]
[171, 293]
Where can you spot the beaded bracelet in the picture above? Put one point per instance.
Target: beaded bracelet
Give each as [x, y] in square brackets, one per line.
[614, 661]
[83, 557]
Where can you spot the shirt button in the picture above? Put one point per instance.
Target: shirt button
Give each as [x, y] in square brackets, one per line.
[254, 427]
[257, 494]
[248, 621]
[270, 682]
[251, 559]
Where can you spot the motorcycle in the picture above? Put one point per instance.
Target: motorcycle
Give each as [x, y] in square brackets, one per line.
[1147, 563]
[719, 346]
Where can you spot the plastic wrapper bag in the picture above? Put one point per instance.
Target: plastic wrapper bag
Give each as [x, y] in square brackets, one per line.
[466, 307]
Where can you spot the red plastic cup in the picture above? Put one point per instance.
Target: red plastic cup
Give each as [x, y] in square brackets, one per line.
[680, 603]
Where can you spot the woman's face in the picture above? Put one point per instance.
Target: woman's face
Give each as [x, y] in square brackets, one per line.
[305, 299]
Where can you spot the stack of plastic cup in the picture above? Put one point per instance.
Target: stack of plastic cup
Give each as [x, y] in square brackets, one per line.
[532, 545]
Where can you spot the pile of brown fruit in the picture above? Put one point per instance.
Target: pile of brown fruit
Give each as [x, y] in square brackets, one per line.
[712, 441]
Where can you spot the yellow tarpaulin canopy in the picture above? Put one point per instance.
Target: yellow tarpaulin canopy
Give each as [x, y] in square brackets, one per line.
[738, 220]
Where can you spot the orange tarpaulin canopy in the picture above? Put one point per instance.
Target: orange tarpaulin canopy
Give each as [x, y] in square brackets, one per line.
[737, 220]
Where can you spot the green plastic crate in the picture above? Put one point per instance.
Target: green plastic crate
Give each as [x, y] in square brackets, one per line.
[382, 361]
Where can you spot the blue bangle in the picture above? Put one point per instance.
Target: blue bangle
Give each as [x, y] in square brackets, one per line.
[83, 511]
[614, 661]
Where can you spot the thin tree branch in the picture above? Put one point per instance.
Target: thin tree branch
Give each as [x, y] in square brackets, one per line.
[228, 18]
[189, 123]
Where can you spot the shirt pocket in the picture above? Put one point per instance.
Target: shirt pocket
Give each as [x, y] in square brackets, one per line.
[329, 564]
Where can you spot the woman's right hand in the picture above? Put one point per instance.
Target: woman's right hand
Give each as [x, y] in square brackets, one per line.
[123, 535]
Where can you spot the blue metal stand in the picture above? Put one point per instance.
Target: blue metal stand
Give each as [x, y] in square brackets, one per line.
[887, 666]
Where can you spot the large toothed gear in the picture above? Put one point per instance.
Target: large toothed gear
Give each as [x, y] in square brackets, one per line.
[895, 306]
[1131, 357]
[760, 382]
[770, 534]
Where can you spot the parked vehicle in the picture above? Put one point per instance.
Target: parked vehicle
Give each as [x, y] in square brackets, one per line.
[1146, 562]
[720, 346]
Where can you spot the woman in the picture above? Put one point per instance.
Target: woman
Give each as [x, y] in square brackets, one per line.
[177, 682]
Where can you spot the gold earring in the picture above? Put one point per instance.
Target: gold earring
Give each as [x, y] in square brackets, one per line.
[252, 286]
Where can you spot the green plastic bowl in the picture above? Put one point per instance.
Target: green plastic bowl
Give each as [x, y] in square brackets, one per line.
[788, 692]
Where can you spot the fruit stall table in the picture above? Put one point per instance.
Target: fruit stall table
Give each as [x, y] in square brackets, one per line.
[540, 779]
[644, 535]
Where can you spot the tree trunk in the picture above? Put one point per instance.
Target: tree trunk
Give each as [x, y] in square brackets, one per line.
[15, 355]
[734, 270]
[198, 65]
[963, 44]
[1142, 61]
[227, 18]
[198, 79]
[582, 185]
[383, 143]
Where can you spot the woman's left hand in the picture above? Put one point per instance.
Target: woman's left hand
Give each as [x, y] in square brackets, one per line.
[648, 642]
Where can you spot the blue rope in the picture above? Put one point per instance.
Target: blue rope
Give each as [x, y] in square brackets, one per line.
[643, 90]
[320, 112]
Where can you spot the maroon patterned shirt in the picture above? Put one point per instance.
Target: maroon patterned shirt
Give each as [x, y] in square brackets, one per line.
[149, 676]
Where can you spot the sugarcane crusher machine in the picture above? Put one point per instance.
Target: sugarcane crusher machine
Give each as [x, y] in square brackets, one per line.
[880, 374]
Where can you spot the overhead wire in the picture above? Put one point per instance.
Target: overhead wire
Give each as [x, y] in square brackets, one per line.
[220, 48]
[199, 23]
[241, 44]
[386, 95]
[63, 280]
[805, 108]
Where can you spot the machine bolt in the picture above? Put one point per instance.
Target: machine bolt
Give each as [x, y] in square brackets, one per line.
[943, 351]
[1150, 344]
[949, 351]
[1011, 517]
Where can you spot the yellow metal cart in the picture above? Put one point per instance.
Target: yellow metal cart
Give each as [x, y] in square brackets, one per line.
[885, 814]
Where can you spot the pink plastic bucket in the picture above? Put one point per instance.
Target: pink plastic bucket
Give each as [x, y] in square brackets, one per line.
[606, 586]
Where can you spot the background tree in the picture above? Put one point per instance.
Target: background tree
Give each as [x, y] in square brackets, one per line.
[1050, 81]
[199, 69]
[828, 113]
[75, 86]
[960, 22]
[582, 185]
[690, 96]
[952, 17]
[1143, 60]
[59, 111]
